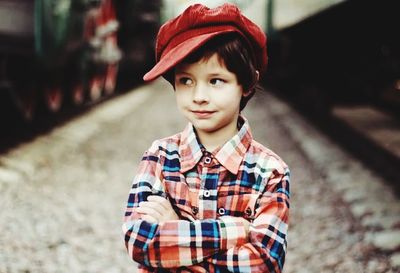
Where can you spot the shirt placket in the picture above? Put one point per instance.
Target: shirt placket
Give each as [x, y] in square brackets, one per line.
[208, 188]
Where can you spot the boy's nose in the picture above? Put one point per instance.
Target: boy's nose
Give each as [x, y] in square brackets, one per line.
[200, 94]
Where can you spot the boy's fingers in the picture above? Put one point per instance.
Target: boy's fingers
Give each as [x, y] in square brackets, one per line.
[160, 200]
[149, 209]
[149, 218]
[152, 204]
[157, 206]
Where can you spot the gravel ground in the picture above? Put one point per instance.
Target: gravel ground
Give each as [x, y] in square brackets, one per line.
[63, 194]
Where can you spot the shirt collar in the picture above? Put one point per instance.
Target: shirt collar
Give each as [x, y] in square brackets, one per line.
[230, 155]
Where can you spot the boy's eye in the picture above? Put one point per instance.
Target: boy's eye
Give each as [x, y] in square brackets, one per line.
[185, 81]
[217, 82]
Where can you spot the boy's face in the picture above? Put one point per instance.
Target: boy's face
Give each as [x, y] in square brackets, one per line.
[208, 95]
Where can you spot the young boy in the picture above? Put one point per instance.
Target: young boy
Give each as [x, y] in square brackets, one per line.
[209, 199]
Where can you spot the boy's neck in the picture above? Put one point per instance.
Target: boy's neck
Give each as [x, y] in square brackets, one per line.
[211, 141]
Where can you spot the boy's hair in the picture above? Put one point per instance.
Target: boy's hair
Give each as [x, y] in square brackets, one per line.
[235, 54]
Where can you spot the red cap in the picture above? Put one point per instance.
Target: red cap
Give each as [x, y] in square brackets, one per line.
[182, 35]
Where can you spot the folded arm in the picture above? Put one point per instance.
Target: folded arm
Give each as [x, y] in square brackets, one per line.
[266, 247]
[172, 243]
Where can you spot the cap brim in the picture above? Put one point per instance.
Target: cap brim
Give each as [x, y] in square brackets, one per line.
[178, 53]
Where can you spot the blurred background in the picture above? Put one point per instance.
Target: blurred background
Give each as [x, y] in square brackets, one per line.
[75, 118]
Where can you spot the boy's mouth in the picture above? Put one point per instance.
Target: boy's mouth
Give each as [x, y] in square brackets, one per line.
[202, 113]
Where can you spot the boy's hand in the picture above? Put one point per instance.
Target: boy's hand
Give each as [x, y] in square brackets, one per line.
[156, 210]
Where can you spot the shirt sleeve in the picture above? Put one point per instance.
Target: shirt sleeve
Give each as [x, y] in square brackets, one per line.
[173, 243]
[266, 247]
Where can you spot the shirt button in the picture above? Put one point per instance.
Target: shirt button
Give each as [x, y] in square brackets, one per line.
[206, 193]
[207, 160]
[195, 210]
[248, 212]
[221, 211]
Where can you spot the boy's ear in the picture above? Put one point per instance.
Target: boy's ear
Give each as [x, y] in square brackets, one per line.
[251, 91]
[248, 93]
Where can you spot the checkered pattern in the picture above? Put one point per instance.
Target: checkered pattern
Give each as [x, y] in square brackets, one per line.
[241, 179]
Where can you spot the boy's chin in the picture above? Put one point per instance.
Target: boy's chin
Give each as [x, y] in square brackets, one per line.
[204, 125]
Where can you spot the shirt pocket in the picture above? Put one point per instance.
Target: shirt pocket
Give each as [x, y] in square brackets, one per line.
[238, 205]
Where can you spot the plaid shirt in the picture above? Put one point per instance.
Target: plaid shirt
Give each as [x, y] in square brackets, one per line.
[241, 179]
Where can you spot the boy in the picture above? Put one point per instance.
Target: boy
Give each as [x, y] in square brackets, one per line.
[209, 199]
